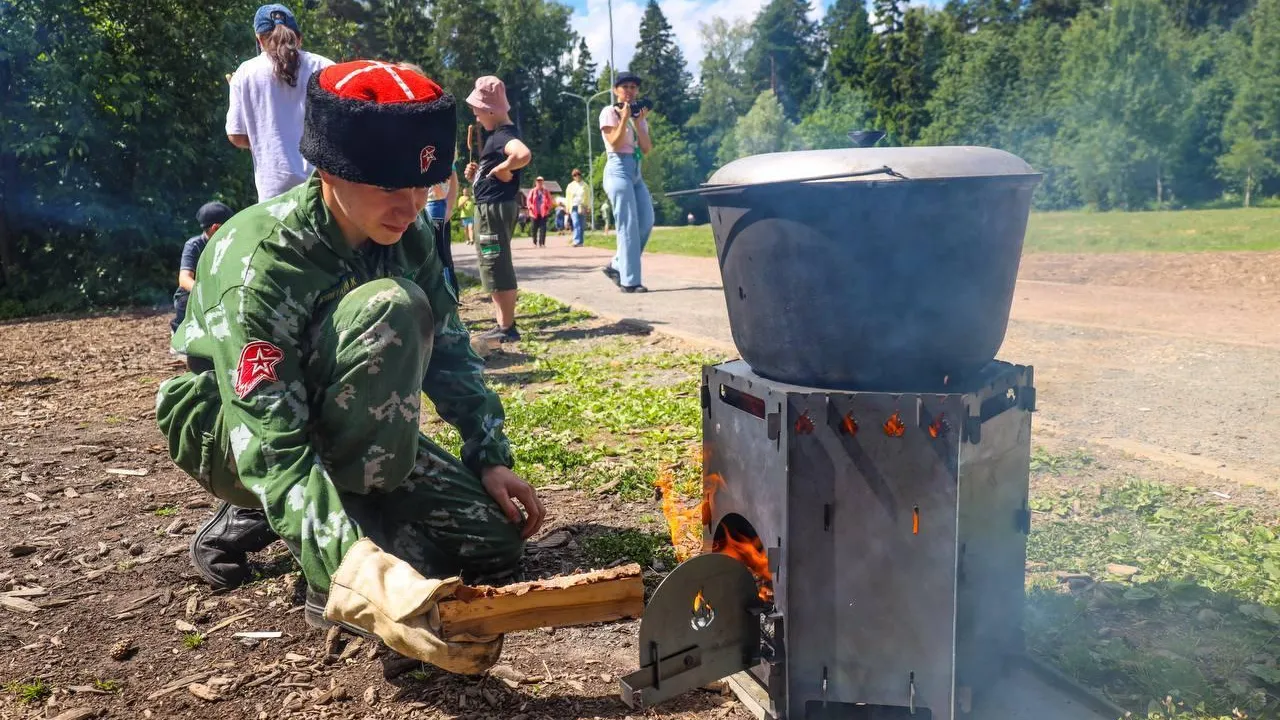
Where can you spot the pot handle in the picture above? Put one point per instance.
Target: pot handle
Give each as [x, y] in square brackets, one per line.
[710, 189]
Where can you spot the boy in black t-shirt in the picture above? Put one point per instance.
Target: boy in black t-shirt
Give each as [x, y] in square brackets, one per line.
[211, 216]
[497, 188]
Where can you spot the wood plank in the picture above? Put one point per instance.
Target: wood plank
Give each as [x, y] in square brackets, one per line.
[600, 596]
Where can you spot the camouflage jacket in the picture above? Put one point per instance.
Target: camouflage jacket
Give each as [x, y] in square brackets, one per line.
[271, 273]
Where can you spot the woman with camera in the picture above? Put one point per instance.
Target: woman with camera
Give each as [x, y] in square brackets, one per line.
[626, 135]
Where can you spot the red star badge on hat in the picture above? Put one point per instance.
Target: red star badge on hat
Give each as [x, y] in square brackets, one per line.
[258, 362]
[426, 157]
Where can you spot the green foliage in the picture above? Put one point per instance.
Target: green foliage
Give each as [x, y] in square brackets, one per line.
[726, 94]
[898, 76]
[829, 124]
[166, 511]
[997, 88]
[29, 691]
[630, 546]
[764, 129]
[604, 414]
[671, 165]
[785, 54]
[192, 640]
[847, 34]
[1252, 127]
[1196, 624]
[108, 685]
[1123, 81]
[661, 67]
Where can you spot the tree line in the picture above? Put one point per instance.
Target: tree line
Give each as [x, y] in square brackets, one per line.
[112, 111]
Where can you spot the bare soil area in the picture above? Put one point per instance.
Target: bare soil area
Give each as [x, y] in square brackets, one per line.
[95, 522]
[1250, 273]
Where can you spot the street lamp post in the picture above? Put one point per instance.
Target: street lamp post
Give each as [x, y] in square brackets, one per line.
[591, 193]
[612, 68]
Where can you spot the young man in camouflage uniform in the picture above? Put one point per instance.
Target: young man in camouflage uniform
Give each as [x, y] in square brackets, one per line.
[317, 321]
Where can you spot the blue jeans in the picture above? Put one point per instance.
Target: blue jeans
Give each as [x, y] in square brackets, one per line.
[577, 225]
[436, 209]
[633, 208]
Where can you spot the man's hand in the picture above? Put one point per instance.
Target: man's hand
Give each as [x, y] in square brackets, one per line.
[502, 172]
[503, 486]
[470, 172]
[644, 113]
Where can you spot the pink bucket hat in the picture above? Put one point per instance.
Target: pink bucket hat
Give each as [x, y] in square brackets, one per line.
[489, 95]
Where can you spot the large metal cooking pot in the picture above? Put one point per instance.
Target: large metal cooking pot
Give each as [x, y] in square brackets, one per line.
[870, 268]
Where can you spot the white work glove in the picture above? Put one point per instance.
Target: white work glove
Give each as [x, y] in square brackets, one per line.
[379, 593]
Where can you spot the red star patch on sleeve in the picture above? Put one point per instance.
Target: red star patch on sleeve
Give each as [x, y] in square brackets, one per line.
[258, 362]
[426, 157]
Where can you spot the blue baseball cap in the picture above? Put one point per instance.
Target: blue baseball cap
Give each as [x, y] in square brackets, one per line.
[269, 16]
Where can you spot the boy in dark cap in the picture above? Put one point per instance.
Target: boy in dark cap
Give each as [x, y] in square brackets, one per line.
[318, 321]
[211, 216]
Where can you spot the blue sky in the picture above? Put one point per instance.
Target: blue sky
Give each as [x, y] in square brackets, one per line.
[591, 20]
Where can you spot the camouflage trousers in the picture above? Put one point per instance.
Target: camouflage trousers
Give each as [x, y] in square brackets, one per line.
[438, 517]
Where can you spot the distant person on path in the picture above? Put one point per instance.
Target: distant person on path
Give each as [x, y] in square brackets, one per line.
[466, 211]
[560, 216]
[211, 216]
[540, 204]
[497, 184]
[606, 214]
[576, 194]
[626, 135]
[268, 96]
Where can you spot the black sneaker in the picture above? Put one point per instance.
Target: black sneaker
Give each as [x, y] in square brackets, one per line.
[499, 335]
[634, 288]
[612, 275]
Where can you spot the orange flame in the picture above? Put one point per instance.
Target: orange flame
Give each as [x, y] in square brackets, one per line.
[893, 427]
[749, 552]
[804, 424]
[712, 483]
[849, 425]
[682, 522]
[703, 613]
[938, 426]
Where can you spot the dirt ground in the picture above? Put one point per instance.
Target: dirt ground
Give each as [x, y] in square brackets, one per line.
[1252, 273]
[96, 519]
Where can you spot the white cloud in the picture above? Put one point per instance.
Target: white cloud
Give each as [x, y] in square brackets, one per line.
[685, 17]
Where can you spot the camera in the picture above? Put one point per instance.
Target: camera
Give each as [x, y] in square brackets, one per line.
[637, 106]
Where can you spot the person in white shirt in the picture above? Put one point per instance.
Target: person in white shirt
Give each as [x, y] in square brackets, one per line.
[576, 195]
[268, 96]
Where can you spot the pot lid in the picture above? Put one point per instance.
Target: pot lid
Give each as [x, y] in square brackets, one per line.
[906, 163]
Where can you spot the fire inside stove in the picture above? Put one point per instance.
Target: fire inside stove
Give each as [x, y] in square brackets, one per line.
[736, 538]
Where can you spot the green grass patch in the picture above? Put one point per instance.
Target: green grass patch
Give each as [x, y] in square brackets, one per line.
[1069, 232]
[108, 685]
[192, 640]
[695, 241]
[613, 413]
[1197, 624]
[166, 511]
[28, 691]
[1058, 463]
[630, 545]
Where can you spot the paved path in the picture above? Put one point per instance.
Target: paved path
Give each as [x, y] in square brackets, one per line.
[1188, 379]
